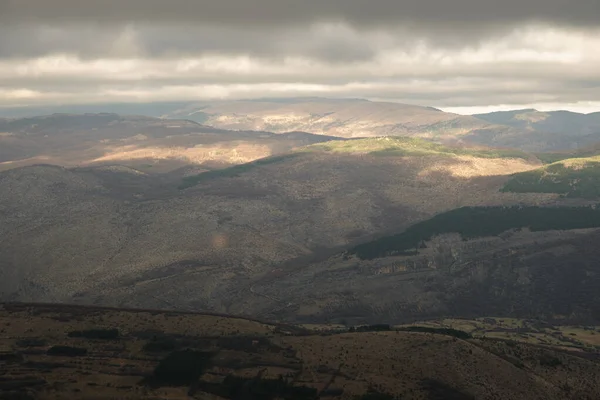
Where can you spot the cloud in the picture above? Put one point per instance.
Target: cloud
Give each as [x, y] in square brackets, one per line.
[293, 12]
[452, 53]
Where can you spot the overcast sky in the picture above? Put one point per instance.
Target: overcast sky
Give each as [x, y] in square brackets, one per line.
[458, 55]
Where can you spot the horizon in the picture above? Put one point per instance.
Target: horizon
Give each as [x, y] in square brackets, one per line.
[37, 109]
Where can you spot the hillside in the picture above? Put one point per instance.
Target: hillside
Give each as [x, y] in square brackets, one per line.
[559, 129]
[476, 222]
[145, 143]
[576, 124]
[574, 177]
[118, 236]
[343, 118]
[51, 352]
[526, 130]
[519, 273]
[406, 146]
[351, 118]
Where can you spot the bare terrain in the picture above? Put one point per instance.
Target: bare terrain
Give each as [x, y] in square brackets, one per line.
[56, 352]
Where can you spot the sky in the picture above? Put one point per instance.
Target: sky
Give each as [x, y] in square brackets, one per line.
[464, 56]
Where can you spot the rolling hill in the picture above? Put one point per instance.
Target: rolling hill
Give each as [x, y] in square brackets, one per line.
[572, 177]
[350, 118]
[528, 130]
[119, 236]
[342, 118]
[177, 226]
[145, 143]
[566, 122]
[559, 130]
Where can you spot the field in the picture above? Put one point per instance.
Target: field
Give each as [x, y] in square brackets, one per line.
[55, 352]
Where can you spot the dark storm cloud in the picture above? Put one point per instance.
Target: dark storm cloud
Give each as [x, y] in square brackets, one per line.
[285, 12]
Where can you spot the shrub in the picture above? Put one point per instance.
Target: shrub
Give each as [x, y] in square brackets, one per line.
[440, 331]
[550, 361]
[374, 395]
[371, 328]
[234, 387]
[161, 345]
[66, 351]
[102, 334]
[31, 342]
[440, 391]
[182, 367]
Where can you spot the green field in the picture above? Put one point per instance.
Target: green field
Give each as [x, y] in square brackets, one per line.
[404, 146]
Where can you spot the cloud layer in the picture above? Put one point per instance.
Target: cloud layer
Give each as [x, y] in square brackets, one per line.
[451, 54]
[286, 12]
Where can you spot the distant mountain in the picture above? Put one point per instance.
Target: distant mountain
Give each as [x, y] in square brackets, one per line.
[155, 109]
[527, 130]
[147, 143]
[563, 129]
[346, 118]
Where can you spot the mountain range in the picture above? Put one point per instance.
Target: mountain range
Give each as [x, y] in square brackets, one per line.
[528, 130]
[302, 210]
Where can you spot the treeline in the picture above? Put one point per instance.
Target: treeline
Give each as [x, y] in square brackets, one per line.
[473, 222]
[370, 328]
[101, 334]
[425, 329]
[440, 331]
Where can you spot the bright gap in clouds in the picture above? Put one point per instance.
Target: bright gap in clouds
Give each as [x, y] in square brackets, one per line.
[583, 108]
